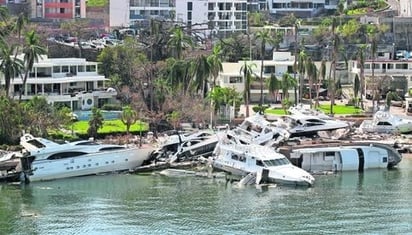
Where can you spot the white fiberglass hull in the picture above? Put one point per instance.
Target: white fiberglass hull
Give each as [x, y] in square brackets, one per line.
[284, 175]
[91, 164]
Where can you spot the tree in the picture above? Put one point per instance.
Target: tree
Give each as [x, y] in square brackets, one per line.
[32, 52]
[361, 62]
[201, 75]
[356, 88]
[264, 37]
[215, 63]
[287, 82]
[78, 28]
[174, 118]
[247, 71]
[273, 85]
[301, 68]
[128, 117]
[296, 25]
[10, 65]
[312, 73]
[95, 123]
[321, 79]
[179, 41]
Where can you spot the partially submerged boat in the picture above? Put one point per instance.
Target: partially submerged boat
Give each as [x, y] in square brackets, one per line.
[49, 160]
[269, 165]
[344, 157]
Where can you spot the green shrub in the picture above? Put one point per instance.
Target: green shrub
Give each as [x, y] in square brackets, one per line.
[260, 109]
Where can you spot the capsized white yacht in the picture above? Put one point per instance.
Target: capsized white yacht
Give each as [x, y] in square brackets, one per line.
[241, 160]
[344, 157]
[301, 109]
[256, 129]
[183, 145]
[50, 160]
[306, 125]
[385, 122]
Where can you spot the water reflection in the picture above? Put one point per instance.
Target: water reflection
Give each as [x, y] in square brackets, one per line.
[376, 201]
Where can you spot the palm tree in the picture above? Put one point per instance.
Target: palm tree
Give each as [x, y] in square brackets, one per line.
[265, 38]
[32, 52]
[361, 62]
[321, 79]
[247, 70]
[295, 66]
[287, 82]
[215, 63]
[312, 73]
[336, 44]
[128, 117]
[301, 68]
[356, 88]
[10, 65]
[95, 122]
[201, 74]
[273, 85]
[179, 41]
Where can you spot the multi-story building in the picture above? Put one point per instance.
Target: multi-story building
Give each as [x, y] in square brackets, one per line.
[257, 5]
[137, 13]
[301, 8]
[73, 82]
[219, 17]
[232, 77]
[56, 10]
[384, 74]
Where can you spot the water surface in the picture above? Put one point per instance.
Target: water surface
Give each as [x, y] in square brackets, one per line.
[376, 202]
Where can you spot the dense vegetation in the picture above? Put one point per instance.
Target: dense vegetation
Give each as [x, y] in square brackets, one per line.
[169, 72]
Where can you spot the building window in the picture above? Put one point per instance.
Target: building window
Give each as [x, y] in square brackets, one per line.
[189, 6]
[235, 79]
[90, 68]
[65, 69]
[62, 10]
[211, 6]
[56, 69]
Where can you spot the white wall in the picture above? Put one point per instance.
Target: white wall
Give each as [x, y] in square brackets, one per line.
[119, 13]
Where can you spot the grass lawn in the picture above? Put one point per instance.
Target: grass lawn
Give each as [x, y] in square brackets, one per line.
[97, 3]
[337, 109]
[112, 126]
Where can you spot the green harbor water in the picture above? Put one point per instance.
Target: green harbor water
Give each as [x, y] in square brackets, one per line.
[376, 202]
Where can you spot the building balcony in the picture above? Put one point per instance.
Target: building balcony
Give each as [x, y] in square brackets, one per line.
[56, 5]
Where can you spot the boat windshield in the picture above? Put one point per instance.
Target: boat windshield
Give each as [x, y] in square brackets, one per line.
[276, 162]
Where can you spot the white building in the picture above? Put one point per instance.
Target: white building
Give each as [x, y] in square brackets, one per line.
[301, 8]
[405, 8]
[232, 77]
[73, 82]
[124, 13]
[213, 16]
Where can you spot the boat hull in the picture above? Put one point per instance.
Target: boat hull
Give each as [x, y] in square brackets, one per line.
[272, 178]
[91, 164]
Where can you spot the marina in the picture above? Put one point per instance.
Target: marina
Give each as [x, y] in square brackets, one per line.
[377, 201]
